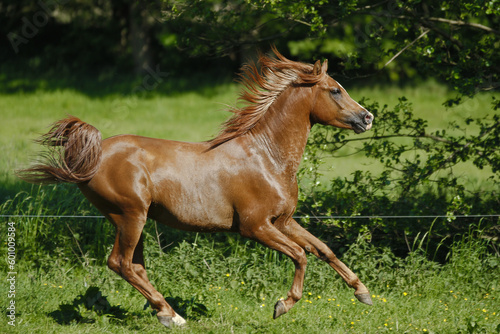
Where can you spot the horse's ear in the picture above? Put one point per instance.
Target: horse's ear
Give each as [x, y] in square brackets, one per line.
[317, 68]
[324, 68]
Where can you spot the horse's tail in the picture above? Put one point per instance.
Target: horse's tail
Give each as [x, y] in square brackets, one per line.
[74, 154]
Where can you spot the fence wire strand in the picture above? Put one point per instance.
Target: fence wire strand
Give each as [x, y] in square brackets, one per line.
[295, 217]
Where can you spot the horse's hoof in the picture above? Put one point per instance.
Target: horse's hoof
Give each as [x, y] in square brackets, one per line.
[165, 320]
[178, 320]
[279, 309]
[365, 298]
[169, 321]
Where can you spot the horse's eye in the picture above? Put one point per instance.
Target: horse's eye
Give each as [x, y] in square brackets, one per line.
[335, 91]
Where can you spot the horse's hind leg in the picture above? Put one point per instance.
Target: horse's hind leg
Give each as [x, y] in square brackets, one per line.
[140, 269]
[127, 260]
[313, 245]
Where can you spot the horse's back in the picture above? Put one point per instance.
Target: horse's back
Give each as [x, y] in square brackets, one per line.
[176, 183]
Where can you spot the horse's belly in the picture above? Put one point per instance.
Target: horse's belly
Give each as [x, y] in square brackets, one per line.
[195, 215]
[192, 196]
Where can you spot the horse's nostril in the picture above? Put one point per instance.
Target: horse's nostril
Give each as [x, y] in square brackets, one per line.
[368, 118]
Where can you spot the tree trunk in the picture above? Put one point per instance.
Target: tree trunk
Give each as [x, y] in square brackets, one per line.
[140, 25]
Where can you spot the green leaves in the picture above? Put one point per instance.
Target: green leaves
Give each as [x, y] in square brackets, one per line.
[453, 42]
[417, 174]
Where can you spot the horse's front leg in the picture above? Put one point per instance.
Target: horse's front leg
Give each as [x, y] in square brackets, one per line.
[270, 236]
[313, 245]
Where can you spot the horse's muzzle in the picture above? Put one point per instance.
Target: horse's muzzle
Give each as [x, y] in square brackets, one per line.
[362, 122]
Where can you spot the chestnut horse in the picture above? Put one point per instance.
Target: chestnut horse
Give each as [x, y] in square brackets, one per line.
[243, 181]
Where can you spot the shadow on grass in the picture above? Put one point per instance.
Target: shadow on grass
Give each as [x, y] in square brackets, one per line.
[93, 307]
[9, 189]
[188, 308]
[16, 77]
[88, 308]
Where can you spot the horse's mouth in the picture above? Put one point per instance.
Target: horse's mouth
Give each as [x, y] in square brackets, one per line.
[360, 127]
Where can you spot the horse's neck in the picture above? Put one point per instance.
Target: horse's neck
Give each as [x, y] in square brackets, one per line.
[282, 134]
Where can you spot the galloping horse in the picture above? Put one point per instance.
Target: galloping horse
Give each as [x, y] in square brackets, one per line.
[243, 180]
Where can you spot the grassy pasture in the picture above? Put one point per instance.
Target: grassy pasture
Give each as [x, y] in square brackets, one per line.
[188, 115]
[221, 283]
[224, 284]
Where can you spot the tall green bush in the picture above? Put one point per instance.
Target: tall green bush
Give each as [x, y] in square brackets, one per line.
[416, 177]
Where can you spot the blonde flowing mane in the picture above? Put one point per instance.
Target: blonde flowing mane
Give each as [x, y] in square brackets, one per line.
[262, 86]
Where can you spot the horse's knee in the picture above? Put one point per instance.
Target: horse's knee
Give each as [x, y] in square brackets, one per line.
[301, 258]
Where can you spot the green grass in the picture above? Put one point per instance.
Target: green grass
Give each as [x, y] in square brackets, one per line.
[226, 284]
[223, 283]
[59, 259]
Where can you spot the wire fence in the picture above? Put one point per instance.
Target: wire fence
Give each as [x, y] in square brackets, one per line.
[295, 217]
[397, 217]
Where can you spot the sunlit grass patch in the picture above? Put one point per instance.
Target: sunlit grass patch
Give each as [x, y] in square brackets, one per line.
[444, 300]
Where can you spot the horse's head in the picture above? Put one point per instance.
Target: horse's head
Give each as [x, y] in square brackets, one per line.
[333, 106]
